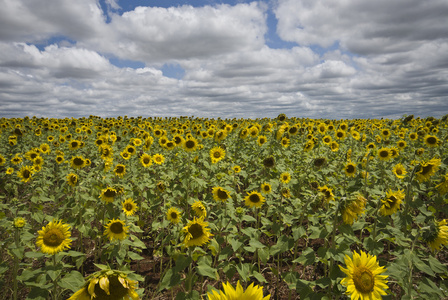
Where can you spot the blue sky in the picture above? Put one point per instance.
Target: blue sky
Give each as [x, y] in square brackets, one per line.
[243, 59]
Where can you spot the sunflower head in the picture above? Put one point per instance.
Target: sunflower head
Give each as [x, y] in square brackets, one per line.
[107, 284]
[116, 229]
[199, 209]
[217, 154]
[120, 170]
[392, 202]
[220, 194]
[254, 199]
[108, 194]
[129, 207]
[229, 292]
[350, 169]
[54, 238]
[78, 162]
[436, 234]
[363, 276]
[428, 169]
[197, 233]
[173, 215]
[266, 188]
[269, 162]
[19, 222]
[285, 177]
[72, 179]
[25, 173]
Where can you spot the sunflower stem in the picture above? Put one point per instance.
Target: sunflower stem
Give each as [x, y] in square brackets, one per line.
[55, 285]
[16, 264]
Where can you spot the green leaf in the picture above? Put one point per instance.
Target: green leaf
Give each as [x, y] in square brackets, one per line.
[258, 276]
[373, 247]
[244, 271]
[419, 264]
[38, 293]
[182, 262]
[206, 270]
[72, 281]
[134, 256]
[307, 257]
[235, 244]
[170, 279]
[436, 265]
[256, 244]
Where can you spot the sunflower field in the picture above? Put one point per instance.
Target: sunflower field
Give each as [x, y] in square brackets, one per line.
[197, 208]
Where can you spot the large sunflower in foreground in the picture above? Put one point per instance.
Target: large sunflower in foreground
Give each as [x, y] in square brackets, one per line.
[254, 199]
[107, 285]
[54, 238]
[116, 230]
[253, 292]
[363, 279]
[197, 233]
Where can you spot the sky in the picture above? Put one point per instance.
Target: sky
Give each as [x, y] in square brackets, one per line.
[330, 59]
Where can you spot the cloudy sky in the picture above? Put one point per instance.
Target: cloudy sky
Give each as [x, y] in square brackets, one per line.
[214, 58]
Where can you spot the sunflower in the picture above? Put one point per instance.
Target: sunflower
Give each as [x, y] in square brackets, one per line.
[399, 171]
[431, 141]
[350, 169]
[443, 186]
[220, 194]
[269, 162]
[190, 144]
[146, 160]
[327, 193]
[106, 151]
[129, 207]
[419, 151]
[107, 284]
[116, 230]
[120, 170]
[385, 133]
[59, 159]
[2, 160]
[254, 199]
[428, 169]
[78, 162]
[252, 292]
[73, 145]
[354, 209]
[401, 144]
[392, 202]
[54, 238]
[436, 234]
[266, 188]
[125, 154]
[199, 209]
[363, 279]
[285, 177]
[108, 194]
[216, 154]
[286, 192]
[130, 149]
[261, 140]
[327, 140]
[285, 142]
[334, 146]
[16, 159]
[158, 158]
[173, 215]
[340, 134]
[161, 186]
[197, 233]
[25, 172]
[384, 154]
[72, 179]
[9, 171]
[236, 169]
[19, 222]
[370, 146]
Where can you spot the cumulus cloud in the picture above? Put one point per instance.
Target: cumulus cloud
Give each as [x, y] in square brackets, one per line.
[351, 59]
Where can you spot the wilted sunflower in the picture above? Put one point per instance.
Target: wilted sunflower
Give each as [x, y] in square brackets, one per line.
[436, 234]
[199, 209]
[269, 162]
[354, 209]
[254, 199]
[220, 194]
[285, 177]
[428, 169]
[173, 215]
[54, 238]
[120, 170]
[78, 162]
[107, 284]
[72, 179]
[253, 292]
[108, 194]
[216, 154]
[197, 233]
[392, 202]
[158, 158]
[25, 173]
[266, 188]
[384, 154]
[129, 207]
[146, 160]
[363, 279]
[116, 230]
[399, 171]
[350, 169]
[431, 141]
